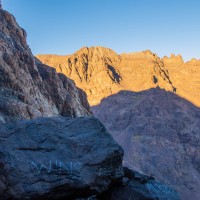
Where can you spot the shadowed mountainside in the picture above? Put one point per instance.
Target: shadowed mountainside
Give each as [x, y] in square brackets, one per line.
[159, 132]
[101, 72]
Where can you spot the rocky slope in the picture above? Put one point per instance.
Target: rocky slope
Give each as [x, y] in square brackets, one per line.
[28, 88]
[159, 132]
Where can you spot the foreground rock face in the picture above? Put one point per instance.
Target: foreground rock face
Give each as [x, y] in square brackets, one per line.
[52, 158]
[136, 186]
[159, 132]
[29, 89]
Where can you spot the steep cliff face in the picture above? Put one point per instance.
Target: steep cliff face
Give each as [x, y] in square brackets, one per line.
[159, 132]
[29, 89]
[101, 72]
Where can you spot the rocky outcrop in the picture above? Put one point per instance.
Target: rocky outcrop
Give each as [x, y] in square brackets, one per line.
[101, 72]
[159, 132]
[173, 60]
[135, 186]
[55, 158]
[29, 89]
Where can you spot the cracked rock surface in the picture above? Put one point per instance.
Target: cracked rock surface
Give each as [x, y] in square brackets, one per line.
[55, 158]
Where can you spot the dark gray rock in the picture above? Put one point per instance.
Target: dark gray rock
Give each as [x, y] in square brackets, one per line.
[29, 89]
[57, 158]
[139, 187]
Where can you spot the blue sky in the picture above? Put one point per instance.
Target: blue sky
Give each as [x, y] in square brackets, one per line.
[64, 26]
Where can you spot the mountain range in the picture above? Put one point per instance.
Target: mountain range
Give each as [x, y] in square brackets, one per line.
[101, 72]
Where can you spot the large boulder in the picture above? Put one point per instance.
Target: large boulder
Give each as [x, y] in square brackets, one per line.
[55, 158]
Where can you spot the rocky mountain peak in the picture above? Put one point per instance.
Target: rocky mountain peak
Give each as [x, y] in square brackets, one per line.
[98, 53]
[173, 60]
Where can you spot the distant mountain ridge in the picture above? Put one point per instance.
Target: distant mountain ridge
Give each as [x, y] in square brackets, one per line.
[101, 72]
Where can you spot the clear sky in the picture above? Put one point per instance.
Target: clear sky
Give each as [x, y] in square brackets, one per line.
[64, 26]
